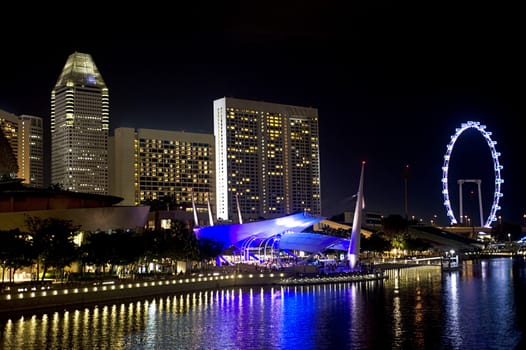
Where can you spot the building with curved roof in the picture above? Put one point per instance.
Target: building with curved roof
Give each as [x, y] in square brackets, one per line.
[93, 212]
[269, 237]
[286, 234]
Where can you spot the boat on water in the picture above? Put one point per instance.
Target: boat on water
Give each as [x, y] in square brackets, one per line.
[451, 262]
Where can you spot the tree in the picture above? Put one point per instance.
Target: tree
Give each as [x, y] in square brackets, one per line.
[52, 242]
[96, 249]
[187, 246]
[394, 225]
[375, 243]
[118, 248]
[501, 230]
[399, 242]
[127, 247]
[417, 244]
[15, 251]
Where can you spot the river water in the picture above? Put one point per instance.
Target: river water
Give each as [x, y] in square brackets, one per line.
[483, 306]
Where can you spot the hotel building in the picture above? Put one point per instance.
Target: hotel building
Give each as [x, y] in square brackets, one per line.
[267, 159]
[151, 164]
[79, 127]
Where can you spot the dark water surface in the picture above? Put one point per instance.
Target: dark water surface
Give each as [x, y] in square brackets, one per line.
[480, 307]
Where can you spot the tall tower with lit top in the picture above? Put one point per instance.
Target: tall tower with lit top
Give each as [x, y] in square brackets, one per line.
[79, 127]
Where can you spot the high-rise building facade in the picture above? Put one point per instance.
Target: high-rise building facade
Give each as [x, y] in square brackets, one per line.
[8, 145]
[25, 135]
[9, 125]
[31, 150]
[151, 165]
[79, 127]
[267, 159]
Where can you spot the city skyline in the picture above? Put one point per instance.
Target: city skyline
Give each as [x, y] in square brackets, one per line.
[386, 93]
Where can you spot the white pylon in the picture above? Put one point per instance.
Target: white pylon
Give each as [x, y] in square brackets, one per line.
[240, 218]
[210, 216]
[353, 253]
[196, 220]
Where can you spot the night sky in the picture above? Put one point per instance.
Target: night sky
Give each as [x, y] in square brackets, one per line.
[390, 83]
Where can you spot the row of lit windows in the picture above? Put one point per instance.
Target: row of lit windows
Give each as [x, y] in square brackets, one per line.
[163, 142]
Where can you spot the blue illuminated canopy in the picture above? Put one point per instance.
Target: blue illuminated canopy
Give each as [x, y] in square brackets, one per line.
[288, 229]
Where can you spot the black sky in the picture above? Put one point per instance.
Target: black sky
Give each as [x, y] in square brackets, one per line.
[391, 84]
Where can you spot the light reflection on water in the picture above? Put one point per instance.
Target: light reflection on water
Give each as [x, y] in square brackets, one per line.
[417, 308]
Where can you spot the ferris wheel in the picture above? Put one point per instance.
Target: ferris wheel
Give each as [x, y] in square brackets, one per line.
[496, 167]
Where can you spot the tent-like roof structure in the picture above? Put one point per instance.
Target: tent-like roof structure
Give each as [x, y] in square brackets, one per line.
[312, 242]
[288, 229]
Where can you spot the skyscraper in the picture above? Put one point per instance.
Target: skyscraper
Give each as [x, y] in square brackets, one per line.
[267, 155]
[31, 150]
[9, 125]
[8, 162]
[25, 135]
[79, 127]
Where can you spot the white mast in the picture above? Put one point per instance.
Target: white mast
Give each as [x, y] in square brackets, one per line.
[196, 221]
[353, 253]
[238, 210]
[210, 217]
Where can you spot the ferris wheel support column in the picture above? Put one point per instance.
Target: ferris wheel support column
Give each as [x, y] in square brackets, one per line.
[480, 203]
[460, 182]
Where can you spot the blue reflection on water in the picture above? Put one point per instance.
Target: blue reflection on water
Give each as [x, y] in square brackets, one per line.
[418, 308]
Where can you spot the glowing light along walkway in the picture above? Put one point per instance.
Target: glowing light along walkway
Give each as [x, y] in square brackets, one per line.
[496, 166]
[31, 298]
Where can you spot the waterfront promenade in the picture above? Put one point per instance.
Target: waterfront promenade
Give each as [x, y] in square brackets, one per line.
[28, 298]
[20, 299]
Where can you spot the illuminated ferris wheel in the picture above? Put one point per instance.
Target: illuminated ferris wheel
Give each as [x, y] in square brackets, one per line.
[496, 166]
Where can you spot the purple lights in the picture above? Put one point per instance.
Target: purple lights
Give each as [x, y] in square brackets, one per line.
[285, 232]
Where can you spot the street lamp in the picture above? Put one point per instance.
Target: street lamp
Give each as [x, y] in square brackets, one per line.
[509, 237]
